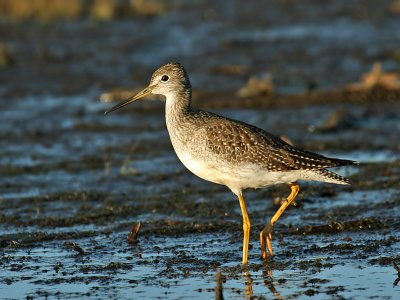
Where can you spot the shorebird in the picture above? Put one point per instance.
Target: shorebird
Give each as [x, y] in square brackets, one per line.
[233, 153]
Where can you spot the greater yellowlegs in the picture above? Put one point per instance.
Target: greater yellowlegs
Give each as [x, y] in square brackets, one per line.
[233, 153]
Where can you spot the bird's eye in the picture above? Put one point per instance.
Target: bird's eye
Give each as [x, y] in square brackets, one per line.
[164, 78]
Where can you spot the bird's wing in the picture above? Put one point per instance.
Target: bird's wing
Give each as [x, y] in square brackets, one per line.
[240, 142]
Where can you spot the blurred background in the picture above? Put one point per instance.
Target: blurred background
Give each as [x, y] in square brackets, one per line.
[116, 43]
[323, 75]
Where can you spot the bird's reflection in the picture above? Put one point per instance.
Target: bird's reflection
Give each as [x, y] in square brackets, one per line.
[248, 284]
[268, 281]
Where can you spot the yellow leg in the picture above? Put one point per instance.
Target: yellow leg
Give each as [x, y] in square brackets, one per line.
[246, 229]
[265, 234]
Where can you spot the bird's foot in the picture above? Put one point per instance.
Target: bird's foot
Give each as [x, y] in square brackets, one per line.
[265, 241]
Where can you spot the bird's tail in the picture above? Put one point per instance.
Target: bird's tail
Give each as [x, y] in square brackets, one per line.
[332, 177]
[343, 162]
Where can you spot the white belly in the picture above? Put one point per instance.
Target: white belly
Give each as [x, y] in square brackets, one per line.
[234, 177]
[239, 177]
[202, 169]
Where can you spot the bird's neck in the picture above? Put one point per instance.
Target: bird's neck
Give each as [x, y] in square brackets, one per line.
[177, 104]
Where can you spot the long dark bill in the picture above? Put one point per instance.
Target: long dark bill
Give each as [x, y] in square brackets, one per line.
[131, 99]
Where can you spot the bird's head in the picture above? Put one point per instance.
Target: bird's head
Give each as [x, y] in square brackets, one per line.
[168, 80]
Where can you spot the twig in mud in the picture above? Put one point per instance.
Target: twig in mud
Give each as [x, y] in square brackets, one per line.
[125, 168]
[396, 282]
[37, 212]
[219, 289]
[13, 245]
[377, 77]
[133, 235]
[396, 267]
[107, 162]
[74, 246]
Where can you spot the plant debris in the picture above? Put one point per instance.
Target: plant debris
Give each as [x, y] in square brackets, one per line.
[133, 235]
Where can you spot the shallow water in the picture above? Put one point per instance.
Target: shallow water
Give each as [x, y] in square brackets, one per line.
[89, 185]
[132, 272]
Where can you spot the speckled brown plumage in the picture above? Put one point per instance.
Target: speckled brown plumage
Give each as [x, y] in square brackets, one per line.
[240, 142]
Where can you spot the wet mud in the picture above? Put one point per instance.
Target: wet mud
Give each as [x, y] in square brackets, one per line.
[75, 184]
